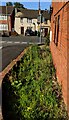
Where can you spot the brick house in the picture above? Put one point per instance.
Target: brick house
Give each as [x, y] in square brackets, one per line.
[59, 45]
[6, 18]
[27, 18]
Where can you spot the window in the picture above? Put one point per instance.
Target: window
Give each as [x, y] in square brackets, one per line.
[3, 17]
[6, 27]
[21, 20]
[58, 27]
[45, 21]
[3, 27]
[56, 30]
[58, 22]
[29, 20]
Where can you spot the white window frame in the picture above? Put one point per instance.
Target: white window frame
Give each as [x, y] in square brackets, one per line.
[29, 20]
[21, 20]
[3, 27]
[46, 21]
[3, 17]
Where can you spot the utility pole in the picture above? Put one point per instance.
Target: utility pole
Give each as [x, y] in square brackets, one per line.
[7, 16]
[40, 22]
[39, 8]
[40, 29]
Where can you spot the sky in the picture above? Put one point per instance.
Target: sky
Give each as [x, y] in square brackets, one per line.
[32, 4]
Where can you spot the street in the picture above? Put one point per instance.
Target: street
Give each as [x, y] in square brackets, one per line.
[11, 47]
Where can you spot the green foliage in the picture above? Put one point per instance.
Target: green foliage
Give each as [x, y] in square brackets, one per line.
[9, 4]
[38, 33]
[47, 41]
[35, 94]
[18, 5]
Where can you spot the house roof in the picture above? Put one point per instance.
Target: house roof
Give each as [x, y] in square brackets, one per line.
[6, 10]
[19, 14]
[28, 13]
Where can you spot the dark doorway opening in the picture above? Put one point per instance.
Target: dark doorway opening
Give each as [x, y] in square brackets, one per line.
[22, 30]
[46, 31]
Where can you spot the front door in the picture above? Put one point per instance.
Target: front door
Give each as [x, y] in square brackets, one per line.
[22, 30]
[46, 31]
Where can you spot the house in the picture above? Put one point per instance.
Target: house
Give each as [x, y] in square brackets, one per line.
[45, 22]
[6, 19]
[59, 45]
[27, 19]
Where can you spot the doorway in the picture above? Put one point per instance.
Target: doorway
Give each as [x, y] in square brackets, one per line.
[46, 31]
[22, 30]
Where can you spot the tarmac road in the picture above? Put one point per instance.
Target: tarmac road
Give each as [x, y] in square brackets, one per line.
[11, 47]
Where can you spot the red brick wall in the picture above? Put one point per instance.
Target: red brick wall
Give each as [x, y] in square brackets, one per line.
[68, 53]
[11, 19]
[9, 23]
[3, 22]
[60, 53]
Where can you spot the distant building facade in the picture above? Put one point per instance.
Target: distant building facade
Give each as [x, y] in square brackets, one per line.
[6, 18]
[27, 19]
[59, 44]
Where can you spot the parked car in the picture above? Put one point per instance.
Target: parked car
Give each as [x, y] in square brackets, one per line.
[29, 32]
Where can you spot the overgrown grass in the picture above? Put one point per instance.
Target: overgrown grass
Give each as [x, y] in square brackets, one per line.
[32, 89]
[47, 40]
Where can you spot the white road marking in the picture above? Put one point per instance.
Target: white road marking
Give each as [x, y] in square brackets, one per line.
[1, 47]
[31, 43]
[17, 42]
[23, 42]
[2, 41]
[9, 42]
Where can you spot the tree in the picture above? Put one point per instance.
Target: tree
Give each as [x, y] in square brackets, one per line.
[9, 4]
[18, 5]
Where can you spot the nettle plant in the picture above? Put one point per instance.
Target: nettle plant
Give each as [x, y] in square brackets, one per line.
[35, 92]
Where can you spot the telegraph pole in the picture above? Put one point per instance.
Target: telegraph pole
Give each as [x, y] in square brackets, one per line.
[7, 17]
[40, 22]
[40, 29]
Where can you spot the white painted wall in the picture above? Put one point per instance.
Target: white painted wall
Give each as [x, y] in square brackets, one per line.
[50, 36]
[25, 24]
[17, 25]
